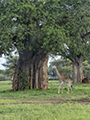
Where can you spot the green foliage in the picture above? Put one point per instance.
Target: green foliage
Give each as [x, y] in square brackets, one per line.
[1, 71]
[76, 24]
[23, 78]
[60, 27]
[51, 72]
[29, 25]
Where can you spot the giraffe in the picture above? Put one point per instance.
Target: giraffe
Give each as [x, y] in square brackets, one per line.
[63, 80]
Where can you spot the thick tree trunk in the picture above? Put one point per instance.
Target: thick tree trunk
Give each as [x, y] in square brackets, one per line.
[80, 75]
[31, 71]
[74, 73]
[78, 69]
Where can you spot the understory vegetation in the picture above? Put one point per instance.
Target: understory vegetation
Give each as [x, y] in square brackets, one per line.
[45, 105]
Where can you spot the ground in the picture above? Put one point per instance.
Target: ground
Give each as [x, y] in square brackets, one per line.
[36, 104]
[60, 100]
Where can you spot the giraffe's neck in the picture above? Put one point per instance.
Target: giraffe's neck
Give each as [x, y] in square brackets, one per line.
[58, 73]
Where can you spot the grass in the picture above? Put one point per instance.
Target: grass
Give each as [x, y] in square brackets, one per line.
[45, 105]
[66, 111]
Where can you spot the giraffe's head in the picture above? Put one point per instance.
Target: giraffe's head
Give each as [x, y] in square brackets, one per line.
[54, 66]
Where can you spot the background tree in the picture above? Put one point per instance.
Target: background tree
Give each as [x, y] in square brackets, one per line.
[86, 68]
[51, 72]
[10, 65]
[76, 46]
[1, 71]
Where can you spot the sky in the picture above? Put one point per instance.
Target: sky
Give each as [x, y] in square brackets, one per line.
[51, 59]
[2, 60]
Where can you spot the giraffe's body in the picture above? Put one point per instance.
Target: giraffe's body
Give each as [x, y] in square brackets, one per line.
[63, 80]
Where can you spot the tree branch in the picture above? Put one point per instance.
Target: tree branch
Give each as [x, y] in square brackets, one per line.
[85, 35]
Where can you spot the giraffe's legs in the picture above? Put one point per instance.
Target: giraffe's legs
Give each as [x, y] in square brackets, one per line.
[70, 88]
[59, 88]
[62, 88]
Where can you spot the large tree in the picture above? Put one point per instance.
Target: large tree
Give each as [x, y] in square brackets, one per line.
[78, 31]
[29, 26]
[76, 46]
[36, 27]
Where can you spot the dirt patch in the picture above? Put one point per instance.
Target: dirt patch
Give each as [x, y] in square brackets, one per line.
[46, 101]
[55, 100]
[85, 101]
[82, 101]
[58, 101]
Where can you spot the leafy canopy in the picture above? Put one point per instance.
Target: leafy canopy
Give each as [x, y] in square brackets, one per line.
[77, 29]
[60, 27]
[30, 24]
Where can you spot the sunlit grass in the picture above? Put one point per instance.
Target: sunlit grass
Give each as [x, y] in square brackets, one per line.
[65, 111]
[31, 104]
[52, 92]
